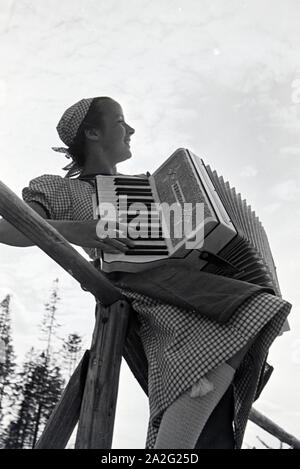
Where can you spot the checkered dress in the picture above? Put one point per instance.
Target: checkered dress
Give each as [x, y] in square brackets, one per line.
[181, 346]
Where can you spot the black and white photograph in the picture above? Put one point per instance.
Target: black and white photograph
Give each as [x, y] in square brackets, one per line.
[149, 227]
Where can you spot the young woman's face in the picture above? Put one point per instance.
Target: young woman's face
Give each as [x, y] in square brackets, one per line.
[115, 132]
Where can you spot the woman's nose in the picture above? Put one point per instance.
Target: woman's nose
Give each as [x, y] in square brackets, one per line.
[130, 129]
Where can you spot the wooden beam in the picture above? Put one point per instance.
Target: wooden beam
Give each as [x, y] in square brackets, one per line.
[271, 427]
[65, 416]
[96, 423]
[41, 233]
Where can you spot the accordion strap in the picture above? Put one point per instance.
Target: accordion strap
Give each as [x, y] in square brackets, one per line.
[212, 258]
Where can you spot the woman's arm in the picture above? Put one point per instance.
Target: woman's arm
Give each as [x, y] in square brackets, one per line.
[76, 232]
[82, 233]
[11, 236]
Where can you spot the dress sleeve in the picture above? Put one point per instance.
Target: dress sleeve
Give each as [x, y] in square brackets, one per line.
[52, 192]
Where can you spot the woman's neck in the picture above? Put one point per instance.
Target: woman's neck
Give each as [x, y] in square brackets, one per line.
[94, 165]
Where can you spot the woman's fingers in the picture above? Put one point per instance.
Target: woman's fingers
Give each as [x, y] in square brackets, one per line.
[120, 232]
[122, 244]
[121, 236]
[107, 246]
[116, 235]
[116, 244]
[90, 235]
[109, 249]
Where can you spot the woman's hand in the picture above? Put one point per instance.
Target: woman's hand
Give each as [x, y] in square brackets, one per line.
[82, 233]
[86, 234]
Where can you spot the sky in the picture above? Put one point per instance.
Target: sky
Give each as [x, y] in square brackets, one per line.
[219, 77]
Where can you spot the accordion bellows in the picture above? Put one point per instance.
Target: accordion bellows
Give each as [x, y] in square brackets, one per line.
[249, 251]
[234, 242]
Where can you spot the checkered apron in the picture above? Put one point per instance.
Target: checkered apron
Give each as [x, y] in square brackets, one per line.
[181, 346]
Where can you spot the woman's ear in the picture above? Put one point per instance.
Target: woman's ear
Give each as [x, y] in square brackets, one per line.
[92, 134]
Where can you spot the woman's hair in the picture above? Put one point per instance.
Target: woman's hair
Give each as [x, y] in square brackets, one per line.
[94, 118]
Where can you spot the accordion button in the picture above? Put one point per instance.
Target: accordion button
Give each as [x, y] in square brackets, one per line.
[204, 255]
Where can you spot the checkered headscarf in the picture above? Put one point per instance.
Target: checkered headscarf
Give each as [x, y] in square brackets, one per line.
[68, 126]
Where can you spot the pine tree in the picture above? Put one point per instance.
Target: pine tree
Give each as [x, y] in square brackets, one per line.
[48, 391]
[20, 430]
[49, 323]
[7, 362]
[39, 386]
[49, 328]
[71, 348]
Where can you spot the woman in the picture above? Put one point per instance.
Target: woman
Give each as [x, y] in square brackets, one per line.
[203, 373]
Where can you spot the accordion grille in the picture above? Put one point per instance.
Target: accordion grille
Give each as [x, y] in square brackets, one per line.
[176, 183]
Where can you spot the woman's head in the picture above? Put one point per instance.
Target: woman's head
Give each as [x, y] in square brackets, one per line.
[95, 129]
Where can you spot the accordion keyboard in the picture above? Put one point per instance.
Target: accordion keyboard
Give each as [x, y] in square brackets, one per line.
[136, 213]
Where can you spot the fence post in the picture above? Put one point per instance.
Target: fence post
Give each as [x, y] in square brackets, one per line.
[96, 422]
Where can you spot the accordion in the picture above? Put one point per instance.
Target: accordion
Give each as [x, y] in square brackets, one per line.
[232, 240]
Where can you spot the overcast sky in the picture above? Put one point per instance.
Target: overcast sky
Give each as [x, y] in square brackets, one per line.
[220, 77]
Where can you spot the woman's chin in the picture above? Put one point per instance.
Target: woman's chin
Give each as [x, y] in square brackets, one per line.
[125, 156]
